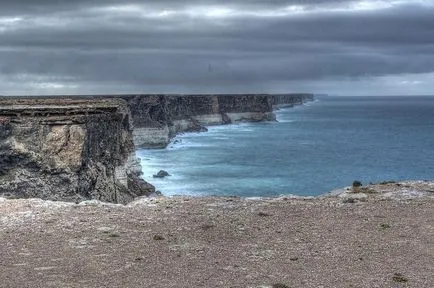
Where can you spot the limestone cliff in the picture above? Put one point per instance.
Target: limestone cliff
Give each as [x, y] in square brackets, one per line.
[68, 149]
[158, 118]
[289, 100]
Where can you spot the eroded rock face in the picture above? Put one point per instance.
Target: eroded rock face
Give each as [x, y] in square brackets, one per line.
[63, 144]
[68, 150]
[158, 118]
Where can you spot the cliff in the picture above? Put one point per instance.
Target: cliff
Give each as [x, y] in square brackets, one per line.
[83, 147]
[68, 149]
[158, 118]
[289, 100]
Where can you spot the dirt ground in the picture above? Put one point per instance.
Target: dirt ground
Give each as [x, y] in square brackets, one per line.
[382, 236]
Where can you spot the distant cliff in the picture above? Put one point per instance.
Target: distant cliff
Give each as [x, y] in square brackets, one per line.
[69, 149]
[158, 118]
[289, 100]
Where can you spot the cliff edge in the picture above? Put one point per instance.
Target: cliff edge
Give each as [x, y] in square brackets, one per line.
[68, 149]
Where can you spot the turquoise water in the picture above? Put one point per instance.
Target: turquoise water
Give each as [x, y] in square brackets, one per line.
[313, 149]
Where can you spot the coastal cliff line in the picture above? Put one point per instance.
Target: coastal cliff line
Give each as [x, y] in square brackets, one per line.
[74, 148]
[158, 118]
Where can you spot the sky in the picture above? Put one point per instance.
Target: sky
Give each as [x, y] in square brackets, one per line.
[366, 47]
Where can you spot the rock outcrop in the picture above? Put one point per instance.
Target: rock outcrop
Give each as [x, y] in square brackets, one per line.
[69, 149]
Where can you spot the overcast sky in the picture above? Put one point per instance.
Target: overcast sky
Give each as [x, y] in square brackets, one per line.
[369, 47]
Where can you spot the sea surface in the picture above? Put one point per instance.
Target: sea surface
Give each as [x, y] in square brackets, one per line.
[311, 150]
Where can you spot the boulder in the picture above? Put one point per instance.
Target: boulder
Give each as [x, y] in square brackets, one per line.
[161, 174]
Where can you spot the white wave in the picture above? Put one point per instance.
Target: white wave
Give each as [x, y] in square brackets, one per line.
[229, 127]
[187, 145]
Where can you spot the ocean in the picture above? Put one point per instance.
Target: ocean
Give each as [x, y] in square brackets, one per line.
[311, 150]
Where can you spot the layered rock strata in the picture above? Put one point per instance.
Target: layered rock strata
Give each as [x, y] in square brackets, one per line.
[158, 118]
[69, 149]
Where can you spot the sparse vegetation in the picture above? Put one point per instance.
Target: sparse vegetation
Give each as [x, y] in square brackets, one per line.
[384, 226]
[207, 226]
[367, 190]
[114, 235]
[349, 200]
[360, 189]
[357, 184]
[50, 221]
[158, 238]
[398, 277]
[279, 285]
[387, 182]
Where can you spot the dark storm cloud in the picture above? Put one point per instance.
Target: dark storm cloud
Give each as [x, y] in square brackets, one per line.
[89, 46]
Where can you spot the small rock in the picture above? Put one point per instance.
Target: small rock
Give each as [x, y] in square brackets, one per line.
[161, 174]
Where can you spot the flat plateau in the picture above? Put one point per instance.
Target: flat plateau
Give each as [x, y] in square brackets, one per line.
[375, 236]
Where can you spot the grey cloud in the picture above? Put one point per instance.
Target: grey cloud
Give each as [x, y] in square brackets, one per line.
[48, 6]
[125, 53]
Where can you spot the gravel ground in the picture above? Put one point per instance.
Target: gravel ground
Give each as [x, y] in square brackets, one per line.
[380, 236]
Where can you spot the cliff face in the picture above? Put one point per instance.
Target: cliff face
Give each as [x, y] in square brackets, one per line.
[151, 118]
[246, 108]
[68, 150]
[289, 100]
[158, 118]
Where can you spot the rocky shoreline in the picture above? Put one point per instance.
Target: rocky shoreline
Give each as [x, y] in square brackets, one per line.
[374, 236]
